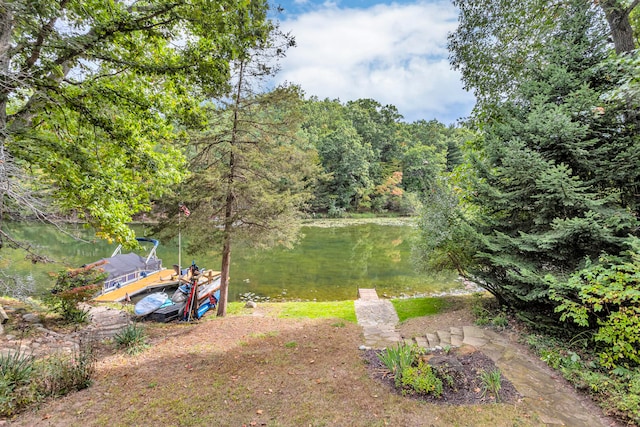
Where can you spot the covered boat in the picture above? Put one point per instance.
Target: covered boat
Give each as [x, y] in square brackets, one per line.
[130, 273]
[129, 267]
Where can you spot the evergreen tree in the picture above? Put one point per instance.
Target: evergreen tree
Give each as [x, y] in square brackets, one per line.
[252, 167]
[555, 172]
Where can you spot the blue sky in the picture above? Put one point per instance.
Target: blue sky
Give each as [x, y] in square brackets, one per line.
[393, 52]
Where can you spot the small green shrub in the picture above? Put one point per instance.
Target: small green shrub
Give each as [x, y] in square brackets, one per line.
[397, 359]
[14, 398]
[551, 357]
[482, 320]
[634, 383]
[486, 313]
[492, 383]
[73, 287]
[421, 379]
[630, 405]
[605, 296]
[446, 374]
[63, 373]
[132, 339]
[25, 380]
[16, 368]
[500, 320]
[593, 381]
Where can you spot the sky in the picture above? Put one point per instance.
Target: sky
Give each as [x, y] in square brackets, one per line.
[392, 52]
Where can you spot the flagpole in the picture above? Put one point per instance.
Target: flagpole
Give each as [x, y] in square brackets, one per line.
[179, 246]
[182, 209]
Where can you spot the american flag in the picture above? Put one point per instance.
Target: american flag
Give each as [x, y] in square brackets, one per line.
[185, 210]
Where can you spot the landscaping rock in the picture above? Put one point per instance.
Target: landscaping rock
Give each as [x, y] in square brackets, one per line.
[31, 318]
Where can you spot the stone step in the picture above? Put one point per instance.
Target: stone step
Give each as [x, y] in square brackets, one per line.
[454, 337]
[433, 340]
[456, 340]
[445, 338]
[422, 342]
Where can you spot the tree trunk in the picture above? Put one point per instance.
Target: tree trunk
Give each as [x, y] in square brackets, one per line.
[224, 277]
[229, 202]
[618, 19]
[226, 247]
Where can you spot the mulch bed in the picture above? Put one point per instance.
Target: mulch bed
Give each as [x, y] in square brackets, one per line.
[465, 365]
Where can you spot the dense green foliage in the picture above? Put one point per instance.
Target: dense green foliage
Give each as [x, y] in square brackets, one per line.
[73, 287]
[498, 43]
[372, 161]
[91, 94]
[553, 177]
[545, 212]
[605, 297]
[26, 380]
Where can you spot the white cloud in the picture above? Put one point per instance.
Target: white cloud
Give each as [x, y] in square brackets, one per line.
[395, 54]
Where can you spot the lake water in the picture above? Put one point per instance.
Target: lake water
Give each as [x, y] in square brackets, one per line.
[330, 263]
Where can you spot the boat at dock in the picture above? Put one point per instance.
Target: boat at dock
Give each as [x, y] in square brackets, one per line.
[130, 274]
[190, 301]
[158, 280]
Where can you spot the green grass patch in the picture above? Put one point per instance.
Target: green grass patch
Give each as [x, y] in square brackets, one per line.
[132, 339]
[261, 335]
[236, 308]
[408, 308]
[344, 310]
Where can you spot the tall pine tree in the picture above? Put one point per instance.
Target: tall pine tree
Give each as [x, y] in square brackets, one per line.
[556, 169]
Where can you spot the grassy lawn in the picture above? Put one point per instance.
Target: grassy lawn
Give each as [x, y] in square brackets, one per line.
[344, 310]
[409, 308]
[256, 370]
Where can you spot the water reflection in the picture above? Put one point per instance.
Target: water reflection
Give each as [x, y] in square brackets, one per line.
[328, 264]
